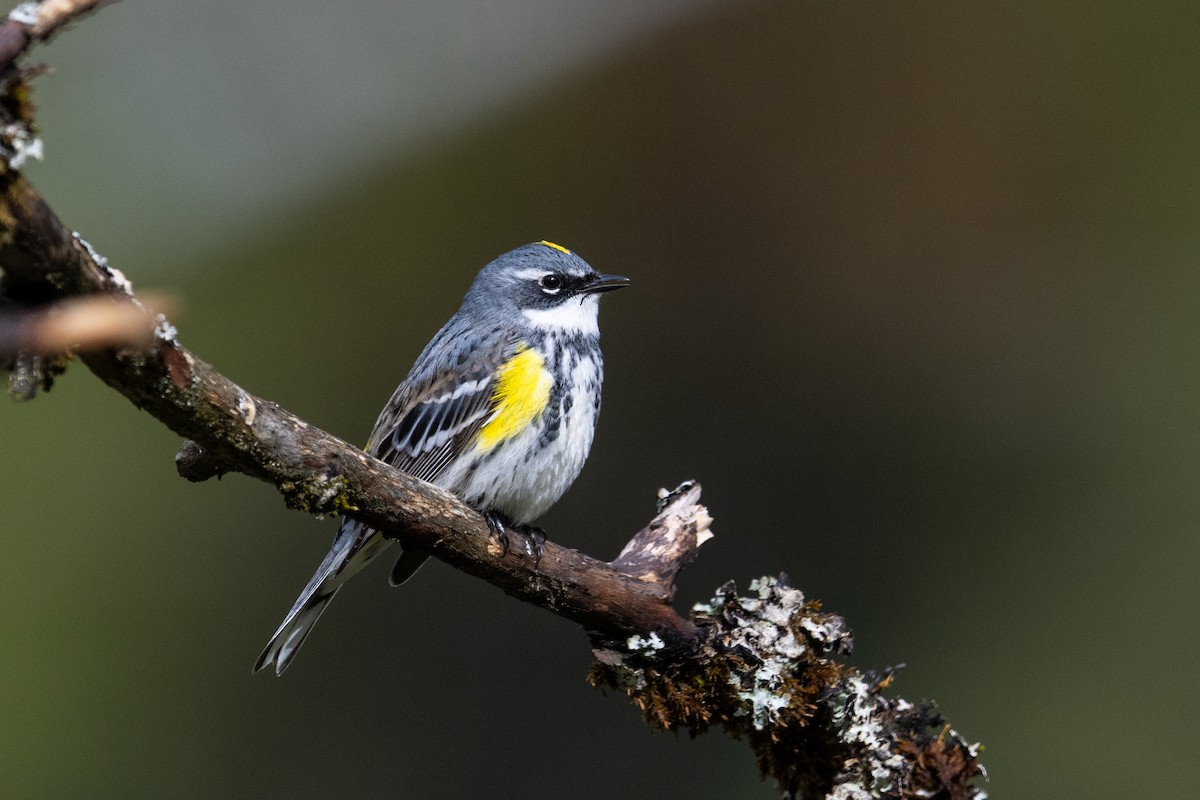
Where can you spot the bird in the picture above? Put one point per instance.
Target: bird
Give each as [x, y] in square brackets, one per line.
[500, 409]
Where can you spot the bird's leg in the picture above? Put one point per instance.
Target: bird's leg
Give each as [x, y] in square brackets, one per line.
[537, 538]
[497, 525]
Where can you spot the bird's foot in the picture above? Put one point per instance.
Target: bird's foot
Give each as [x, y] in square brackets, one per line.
[537, 538]
[498, 525]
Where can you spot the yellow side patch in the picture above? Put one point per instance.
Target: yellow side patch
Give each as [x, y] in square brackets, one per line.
[521, 394]
[557, 247]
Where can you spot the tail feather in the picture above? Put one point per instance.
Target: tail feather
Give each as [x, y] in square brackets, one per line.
[292, 633]
[353, 546]
[409, 562]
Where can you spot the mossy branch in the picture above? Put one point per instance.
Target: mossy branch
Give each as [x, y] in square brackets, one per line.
[764, 666]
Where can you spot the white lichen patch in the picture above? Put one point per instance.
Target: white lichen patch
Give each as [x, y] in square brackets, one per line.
[856, 714]
[164, 331]
[115, 277]
[860, 717]
[20, 144]
[866, 722]
[850, 791]
[829, 630]
[764, 702]
[761, 623]
[25, 14]
[100, 260]
[646, 646]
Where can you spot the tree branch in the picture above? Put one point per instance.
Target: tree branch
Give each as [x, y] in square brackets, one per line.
[37, 22]
[315, 472]
[764, 666]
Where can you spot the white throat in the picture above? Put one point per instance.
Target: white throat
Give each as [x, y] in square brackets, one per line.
[573, 316]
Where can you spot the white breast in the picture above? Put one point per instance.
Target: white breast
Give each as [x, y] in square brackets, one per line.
[528, 473]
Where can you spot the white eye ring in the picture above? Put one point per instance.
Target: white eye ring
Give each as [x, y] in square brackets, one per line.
[551, 283]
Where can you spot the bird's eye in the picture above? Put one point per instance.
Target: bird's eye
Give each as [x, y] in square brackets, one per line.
[551, 284]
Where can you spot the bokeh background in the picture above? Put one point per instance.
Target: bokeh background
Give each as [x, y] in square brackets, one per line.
[915, 298]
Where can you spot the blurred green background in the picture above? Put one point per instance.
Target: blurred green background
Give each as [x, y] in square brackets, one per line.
[915, 298]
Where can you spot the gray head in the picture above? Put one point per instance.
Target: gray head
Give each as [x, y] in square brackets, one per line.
[545, 284]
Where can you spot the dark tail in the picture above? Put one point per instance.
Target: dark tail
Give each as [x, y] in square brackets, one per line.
[295, 629]
[353, 547]
[409, 562]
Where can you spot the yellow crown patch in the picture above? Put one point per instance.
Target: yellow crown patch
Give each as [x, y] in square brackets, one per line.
[557, 247]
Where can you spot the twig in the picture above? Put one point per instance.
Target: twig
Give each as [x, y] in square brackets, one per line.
[79, 324]
[37, 22]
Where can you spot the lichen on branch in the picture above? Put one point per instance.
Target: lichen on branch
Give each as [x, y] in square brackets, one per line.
[766, 669]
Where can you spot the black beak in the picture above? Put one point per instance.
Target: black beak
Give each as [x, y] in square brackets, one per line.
[605, 283]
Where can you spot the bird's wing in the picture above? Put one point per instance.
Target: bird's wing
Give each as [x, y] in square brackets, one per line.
[430, 421]
[436, 413]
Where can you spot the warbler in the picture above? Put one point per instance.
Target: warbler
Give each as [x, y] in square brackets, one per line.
[500, 409]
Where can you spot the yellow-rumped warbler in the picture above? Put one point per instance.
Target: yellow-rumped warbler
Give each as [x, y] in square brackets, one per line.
[499, 409]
